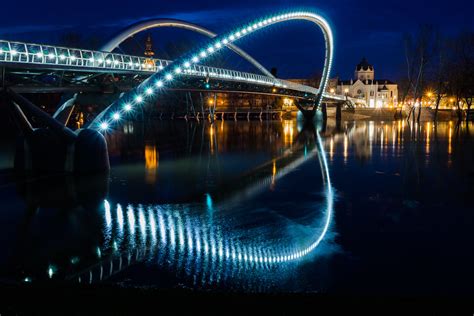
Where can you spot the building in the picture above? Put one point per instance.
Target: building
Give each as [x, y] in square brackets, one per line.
[377, 93]
[149, 53]
[149, 47]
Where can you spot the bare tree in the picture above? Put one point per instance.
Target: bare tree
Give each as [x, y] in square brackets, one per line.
[466, 59]
[418, 53]
[460, 72]
[439, 71]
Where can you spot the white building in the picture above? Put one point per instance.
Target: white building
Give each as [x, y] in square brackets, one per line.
[377, 93]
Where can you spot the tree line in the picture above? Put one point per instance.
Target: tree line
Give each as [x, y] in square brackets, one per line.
[439, 68]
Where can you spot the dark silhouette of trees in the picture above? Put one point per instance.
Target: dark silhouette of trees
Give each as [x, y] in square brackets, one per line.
[419, 51]
[444, 66]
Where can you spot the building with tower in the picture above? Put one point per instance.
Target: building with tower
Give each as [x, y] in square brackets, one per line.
[149, 53]
[377, 93]
[149, 47]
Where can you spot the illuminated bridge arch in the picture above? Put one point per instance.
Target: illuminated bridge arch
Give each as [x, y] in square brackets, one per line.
[148, 89]
[156, 23]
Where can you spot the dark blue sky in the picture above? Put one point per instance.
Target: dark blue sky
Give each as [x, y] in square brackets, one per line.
[362, 28]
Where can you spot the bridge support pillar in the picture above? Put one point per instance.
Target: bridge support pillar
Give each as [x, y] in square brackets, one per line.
[338, 112]
[44, 151]
[90, 152]
[55, 148]
[324, 110]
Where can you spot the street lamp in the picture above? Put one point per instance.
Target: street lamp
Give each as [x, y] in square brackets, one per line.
[346, 91]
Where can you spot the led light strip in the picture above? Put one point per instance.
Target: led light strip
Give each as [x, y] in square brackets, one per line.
[149, 87]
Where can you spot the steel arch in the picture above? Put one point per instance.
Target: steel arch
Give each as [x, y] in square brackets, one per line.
[148, 88]
[133, 29]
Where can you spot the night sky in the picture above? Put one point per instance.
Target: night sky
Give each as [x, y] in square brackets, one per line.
[372, 29]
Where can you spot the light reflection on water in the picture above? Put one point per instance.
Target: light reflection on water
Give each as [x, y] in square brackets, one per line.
[244, 204]
[226, 249]
[363, 137]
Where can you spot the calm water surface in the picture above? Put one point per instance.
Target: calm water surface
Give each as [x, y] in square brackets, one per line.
[364, 207]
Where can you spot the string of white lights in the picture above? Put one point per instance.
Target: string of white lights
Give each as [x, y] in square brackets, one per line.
[149, 88]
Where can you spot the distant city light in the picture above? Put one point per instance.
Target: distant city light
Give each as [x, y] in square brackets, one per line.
[127, 107]
[116, 116]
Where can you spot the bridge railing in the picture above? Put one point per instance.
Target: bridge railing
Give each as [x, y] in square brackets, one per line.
[17, 52]
[49, 55]
[226, 74]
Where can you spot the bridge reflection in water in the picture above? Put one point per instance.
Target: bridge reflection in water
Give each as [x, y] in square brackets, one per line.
[185, 217]
[207, 245]
[227, 237]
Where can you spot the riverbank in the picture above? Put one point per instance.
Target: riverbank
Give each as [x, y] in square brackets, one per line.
[369, 114]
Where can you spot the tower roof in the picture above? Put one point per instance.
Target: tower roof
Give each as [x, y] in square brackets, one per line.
[364, 65]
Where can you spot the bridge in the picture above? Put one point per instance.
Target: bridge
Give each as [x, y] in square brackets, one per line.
[23, 64]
